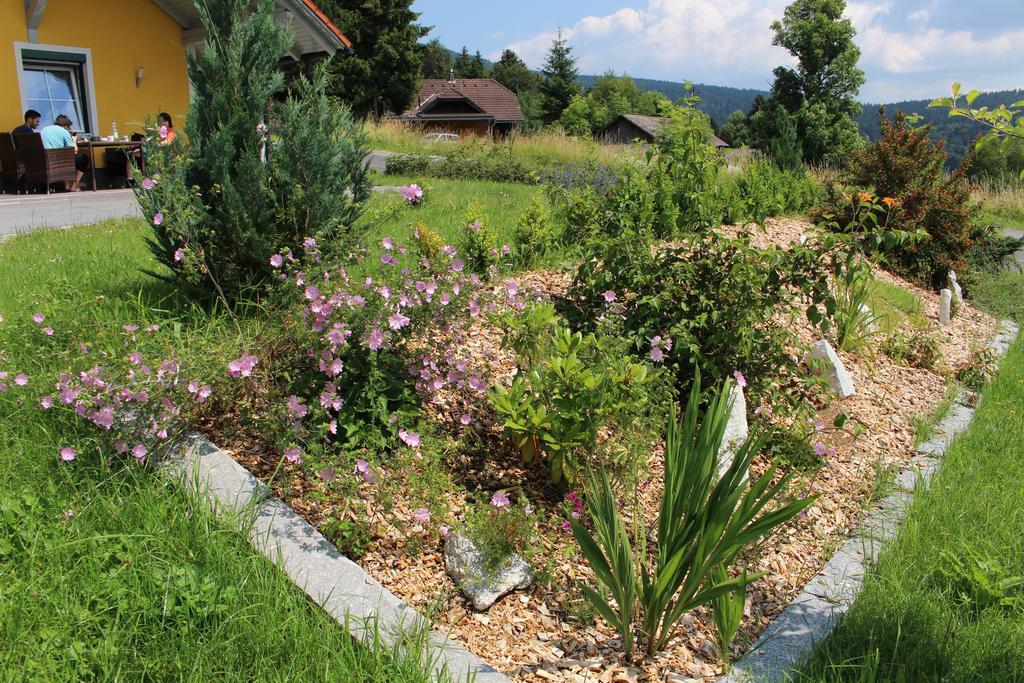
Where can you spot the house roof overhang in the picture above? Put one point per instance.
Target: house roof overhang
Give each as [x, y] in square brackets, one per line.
[314, 32]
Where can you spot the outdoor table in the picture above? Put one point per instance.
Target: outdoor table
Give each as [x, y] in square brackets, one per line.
[128, 145]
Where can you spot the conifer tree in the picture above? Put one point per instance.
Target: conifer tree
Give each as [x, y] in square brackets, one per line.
[560, 79]
[437, 61]
[382, 73]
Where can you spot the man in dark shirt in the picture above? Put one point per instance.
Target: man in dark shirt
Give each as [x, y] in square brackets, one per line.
[31, 124]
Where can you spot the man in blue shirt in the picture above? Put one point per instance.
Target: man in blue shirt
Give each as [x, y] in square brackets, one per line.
[58, 136]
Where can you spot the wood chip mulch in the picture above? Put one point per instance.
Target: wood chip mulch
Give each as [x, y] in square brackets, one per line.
[546, 633]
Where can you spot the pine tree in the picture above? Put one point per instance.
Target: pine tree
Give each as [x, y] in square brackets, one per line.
[225, 201]
[560, 79]
[512, 72]
[467, 66]
[463, 63]
[382, 73]
[437, 61]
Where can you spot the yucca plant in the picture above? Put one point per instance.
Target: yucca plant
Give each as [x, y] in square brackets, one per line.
[855, 321]
[704, 522]
[727, 610]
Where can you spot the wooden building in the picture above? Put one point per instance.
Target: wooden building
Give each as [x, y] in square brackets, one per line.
[466, 106]
[630, 128]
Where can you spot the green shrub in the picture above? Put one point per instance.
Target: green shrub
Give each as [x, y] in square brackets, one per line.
[703, 524]
[570, 386]
[907, 166]
[534, 233]
[240, 193]
[465, 163]
[766, 191]
[478, 249]
[407, 164]
[855, 321]
[917, 349]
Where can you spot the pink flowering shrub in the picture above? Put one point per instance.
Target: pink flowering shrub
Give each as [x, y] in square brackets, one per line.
[375, 346]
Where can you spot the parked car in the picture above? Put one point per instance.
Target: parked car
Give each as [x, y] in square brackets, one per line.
[441, 137]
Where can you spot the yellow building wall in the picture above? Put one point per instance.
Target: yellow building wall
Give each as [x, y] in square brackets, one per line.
[123, 36]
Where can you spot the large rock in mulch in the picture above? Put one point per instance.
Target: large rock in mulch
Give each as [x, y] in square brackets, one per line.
[832, 368]
[945, 306]
[464, 563]
[736, 430]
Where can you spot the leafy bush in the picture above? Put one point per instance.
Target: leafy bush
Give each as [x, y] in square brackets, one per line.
[242, 191]
[918, 349]
[479, 249]
[464, 163]
[703, 525]
[534, 233]
[767, 191]
[570, 387]
[908, 167]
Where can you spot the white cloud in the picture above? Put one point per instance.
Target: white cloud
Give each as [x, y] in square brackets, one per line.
[729, 43]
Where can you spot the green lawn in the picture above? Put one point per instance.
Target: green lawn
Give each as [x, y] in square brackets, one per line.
[110, 572]
[947, 600]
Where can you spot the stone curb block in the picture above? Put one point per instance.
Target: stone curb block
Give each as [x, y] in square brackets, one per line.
[814, 613]
[341, 587]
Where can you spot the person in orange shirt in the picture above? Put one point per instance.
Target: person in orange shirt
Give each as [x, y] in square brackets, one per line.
[166, 128]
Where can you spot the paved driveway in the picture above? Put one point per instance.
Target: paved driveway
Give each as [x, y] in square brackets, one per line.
[1020, 254]
[25, 213]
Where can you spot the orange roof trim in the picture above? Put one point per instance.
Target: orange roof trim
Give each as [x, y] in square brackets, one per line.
[328, 23]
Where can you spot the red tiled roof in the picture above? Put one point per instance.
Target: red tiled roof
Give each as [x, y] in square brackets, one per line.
[486, 94]
[328, 23]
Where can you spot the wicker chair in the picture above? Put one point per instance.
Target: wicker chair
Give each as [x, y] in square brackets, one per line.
[46, 166]
[13, 169]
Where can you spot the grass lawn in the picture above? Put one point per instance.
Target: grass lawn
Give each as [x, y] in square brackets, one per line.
[110, 572]
[946, 602]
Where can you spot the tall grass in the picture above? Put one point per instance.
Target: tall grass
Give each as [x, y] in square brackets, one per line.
[1003, 201]
[539, 148]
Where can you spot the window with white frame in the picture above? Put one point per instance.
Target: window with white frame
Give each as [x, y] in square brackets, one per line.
[54, 83]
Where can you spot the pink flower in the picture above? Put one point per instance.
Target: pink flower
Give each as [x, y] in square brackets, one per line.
[741, 381]
[179, 254]
[276, 261]
[443, 530]
[465, 419]
[204, 393]
[46, 402]
[610, 296]
[819, 449]
[397, 321]
[831, 452]
[21, 380]
[297, 407]
[511, 287]
[48, 331]
[474, 226]
[411, 439]
[293, 454]
[158, 218]
[421, 516]
[242, 367]
[375, 339]
[458, 265]
[412, 193]
[38, 318]
[565, 525]
[388, 259]
[658, 348]
[148, 184]
[499, 499]
[135, 358]
[139, 451]
[163, 132]
[387, 243]
[759, 409]
[67, 454]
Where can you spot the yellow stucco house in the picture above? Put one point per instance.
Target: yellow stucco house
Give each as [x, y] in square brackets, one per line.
[107, 62]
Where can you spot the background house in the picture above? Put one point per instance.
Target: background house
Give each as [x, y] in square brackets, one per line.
[118, 61]
[467, 106]
[629, 128]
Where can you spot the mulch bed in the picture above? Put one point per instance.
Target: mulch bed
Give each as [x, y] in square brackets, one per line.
[543, 634]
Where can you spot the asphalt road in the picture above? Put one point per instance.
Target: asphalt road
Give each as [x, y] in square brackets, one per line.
[26, 213]
[1020, 254]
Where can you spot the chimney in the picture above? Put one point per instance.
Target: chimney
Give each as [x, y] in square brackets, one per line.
[451, 75]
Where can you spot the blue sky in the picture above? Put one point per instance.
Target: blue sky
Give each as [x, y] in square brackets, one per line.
[911, 48]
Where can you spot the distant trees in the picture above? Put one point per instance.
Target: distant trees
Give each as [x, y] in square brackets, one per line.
[610, 97]
[735, 130]
[467, 66]
[437, 61]
[560, 80]
[383, 71]
[512, 72]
